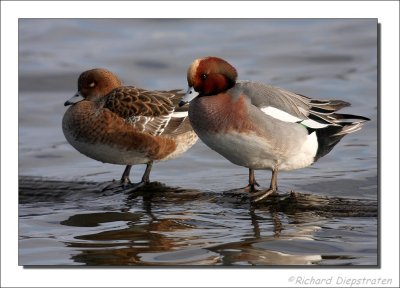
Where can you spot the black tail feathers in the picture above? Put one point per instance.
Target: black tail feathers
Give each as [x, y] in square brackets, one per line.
[329, 136]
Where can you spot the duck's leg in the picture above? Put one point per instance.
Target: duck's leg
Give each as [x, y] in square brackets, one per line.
[146, 174]
[252, 182]
[258, 196]
[125, 181]
[251, 187]
[145, 178]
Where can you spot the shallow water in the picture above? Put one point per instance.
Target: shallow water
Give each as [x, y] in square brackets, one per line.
[197, 219]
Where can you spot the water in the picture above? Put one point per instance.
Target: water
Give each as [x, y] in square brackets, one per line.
[196, 218]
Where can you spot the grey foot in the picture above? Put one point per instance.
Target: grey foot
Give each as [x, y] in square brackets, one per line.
[134, 186]
[261, 195]
[251, 187]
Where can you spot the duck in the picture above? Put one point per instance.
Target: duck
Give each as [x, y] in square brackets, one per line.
[260, 126]
[126, 125]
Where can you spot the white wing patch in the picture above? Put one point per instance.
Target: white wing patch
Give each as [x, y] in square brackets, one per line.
[279, 114]
[179, 114]
[286, 117]
[313, 124]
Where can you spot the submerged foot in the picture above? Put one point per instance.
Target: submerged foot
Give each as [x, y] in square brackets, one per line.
[251, 187]
[117, 185]
[261, 195]
[134, 186]
[126, 184]
[122, 185]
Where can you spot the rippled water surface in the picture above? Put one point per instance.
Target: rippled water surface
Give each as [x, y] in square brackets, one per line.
[195, 214]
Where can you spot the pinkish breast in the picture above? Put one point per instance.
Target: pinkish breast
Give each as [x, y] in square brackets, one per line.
[220, 114]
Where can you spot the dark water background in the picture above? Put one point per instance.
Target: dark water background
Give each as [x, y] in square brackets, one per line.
[64, 218]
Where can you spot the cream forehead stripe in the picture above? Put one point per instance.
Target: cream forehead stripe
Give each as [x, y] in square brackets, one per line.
[193, 68]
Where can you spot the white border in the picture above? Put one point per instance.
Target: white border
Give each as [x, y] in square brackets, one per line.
[12, 275]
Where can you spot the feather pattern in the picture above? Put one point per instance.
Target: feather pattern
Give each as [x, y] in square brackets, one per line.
[125, 125]
[316, 115]
[321, 112]
[152, 112]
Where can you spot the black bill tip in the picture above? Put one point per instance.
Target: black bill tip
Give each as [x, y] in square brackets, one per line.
[181, 103]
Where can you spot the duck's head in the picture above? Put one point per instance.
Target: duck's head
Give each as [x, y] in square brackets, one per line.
[94, 84]
[208, 76]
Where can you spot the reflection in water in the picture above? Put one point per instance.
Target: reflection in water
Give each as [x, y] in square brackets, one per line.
[254, 223]
[162, 225]
[156, 242]
[249, 255]
[141, 234]
[123, 246]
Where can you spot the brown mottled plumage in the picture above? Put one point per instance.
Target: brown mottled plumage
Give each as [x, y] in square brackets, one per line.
[125, 124]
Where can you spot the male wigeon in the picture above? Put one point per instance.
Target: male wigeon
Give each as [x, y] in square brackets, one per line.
[259, 126]
[124, 124]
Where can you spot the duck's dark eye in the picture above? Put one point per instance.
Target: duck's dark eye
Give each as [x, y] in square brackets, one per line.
[204, 76]
[91, 85]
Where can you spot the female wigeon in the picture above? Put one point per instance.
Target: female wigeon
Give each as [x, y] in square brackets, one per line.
[124, 124]
[259, 126]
